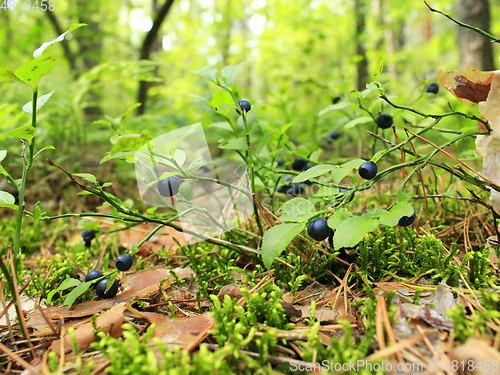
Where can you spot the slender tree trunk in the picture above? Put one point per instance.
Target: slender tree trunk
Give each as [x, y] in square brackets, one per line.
[475, 49]
[362, 64]
[227, 37]
[147, 49]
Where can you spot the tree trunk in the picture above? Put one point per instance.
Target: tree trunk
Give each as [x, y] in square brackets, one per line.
[147, 48]
[362, 64]
[475, 49]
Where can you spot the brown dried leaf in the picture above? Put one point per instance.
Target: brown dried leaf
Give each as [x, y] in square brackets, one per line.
[479, 353]
[178, 331]
[109, 322]
[469, 85]
[139, 285]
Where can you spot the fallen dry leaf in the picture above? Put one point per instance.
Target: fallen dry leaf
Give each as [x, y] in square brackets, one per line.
[110, 322]
[480, 353]
[174, 332]
[469, 85]
[139, 285]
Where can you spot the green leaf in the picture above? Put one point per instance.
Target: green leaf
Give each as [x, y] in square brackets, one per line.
[297, 209]
[356, 121]
[40, 102]
[27, 132]
[111, 281]
[195, 165]
[105, 263]
[75, 293]
[352, 231]
[252, 116]
[334, 107]
[86, 176]
[106, 184]
[186, 190]
[405, 195]
[37, 212]
[222, 100]
[49, 147]
[38, 52]
[6, 75]
[118, 155]
[221, 125]
[277, 239]
[230, 72]
[32, 71]
[263, 141]
[207, 72]
[201, 98]
[399, 210]
[378, 71]
[6, 198]
[235, 144]
[315, 171]
[180, 157]
[339, 217]
[3, 154]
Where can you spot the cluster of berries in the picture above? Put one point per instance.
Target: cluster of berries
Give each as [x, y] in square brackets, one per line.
[122, 263]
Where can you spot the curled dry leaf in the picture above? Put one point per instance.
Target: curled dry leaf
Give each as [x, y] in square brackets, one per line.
[174, 332]
[480, 353]
[109, 322]
[469, 85]
[139, 285]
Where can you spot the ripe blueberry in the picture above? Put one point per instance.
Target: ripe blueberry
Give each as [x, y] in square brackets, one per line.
[346, 191]
[384, 120]
[336, 100]
[406, 221]
[287, 178]
[432, 88]
[295, 189]
[124, 262]
[169, 186]
[88, 236]
[368, 170]
[244, 105]
[334, 134]
[318, 229]
[280, 162]
[298, 164]
[282, 189]
[101, 288]
[92, 275]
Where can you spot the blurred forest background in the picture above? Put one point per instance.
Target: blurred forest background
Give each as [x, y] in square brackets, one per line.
[299, 55]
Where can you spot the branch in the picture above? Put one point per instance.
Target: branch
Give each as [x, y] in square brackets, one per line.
[482, 32]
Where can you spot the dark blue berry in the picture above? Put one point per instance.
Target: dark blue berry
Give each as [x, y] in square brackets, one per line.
[101, 288]
[298, 164]
[280, 162]
[368, 170]
[287, 178]
[244, 105]
[384, 120]
[318, 229]
[124, 262]
[169, 186]
[336, 100]
[346, 191]
[406, 221]
[88, 235]
[295, 189]
[432, 88]
[92, 275]
[334, 135]
[282, 189]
